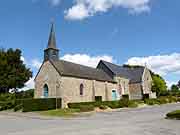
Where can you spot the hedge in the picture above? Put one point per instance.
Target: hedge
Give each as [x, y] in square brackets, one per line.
[6, 105]
[30, 105]
[112, 104]
[98, 98]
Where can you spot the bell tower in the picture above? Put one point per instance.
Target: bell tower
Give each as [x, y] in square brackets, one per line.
[51, 52]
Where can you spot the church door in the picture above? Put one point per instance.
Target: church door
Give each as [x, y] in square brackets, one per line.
[46, 91]
[114, 95]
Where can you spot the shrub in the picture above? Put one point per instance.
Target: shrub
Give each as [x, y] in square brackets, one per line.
[163, 100]
[18, 107]
[40, 104]
[178, 99]
[77, 105]
[103, 107]
[112, 104]
[172, 99]
[86, 108]
[6, 105]
[123, 103]
[132, 104]
[151, 101]
[174, 115]
[7, 97]
[126, 96]
[145, 96]
[98, 98]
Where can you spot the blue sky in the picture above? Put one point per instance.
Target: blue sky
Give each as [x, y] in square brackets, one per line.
[119, 31]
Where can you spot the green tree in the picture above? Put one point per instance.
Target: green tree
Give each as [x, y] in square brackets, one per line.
[159, 84]
[178, 84]
[13, 72]
[174, 88]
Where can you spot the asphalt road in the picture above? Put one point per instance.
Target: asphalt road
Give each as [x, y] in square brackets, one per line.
[142, 121]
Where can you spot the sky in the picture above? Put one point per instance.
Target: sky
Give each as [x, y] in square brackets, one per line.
[135, 32]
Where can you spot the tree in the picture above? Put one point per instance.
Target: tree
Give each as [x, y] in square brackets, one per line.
[13, 73]
[178, 84]
[174, 88]
[159, 84]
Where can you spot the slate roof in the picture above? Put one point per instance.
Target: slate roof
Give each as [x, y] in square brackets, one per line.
[52, 39]
[134, 74]
[75, 70]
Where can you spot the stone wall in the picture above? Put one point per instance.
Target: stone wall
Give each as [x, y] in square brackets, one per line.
[124, 83]
[70, 88]
[135, 91]
[47, 75]
[146, 82]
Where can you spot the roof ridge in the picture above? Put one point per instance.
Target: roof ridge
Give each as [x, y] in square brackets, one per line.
[80, 65]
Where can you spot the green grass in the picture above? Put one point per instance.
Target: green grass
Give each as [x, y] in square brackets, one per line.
[173, 115]
[60, 112]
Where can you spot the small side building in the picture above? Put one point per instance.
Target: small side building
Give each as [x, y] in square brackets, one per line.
[140, 80]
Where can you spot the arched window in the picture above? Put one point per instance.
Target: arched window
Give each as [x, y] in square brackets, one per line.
[46, 91]
[81, 89]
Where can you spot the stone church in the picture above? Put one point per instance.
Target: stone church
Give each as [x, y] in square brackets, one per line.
[77, 83]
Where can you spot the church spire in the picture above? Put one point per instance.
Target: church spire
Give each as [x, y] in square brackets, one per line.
[51, 52]
[52, 38]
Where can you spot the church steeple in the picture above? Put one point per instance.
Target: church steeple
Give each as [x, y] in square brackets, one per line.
[51, 52]
[52, 38]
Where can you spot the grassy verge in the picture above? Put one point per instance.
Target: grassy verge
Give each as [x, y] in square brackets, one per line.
[60, 112]
[173, 115]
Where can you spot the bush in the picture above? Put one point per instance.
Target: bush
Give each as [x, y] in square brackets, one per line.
[146, 96]
[77, 105]
[151, 101]
[30, 105]
[172, 99]
[174, 115]
[112, 104]
[18, 107]
[98, 98]
[178, 99]
[86, 108]
[103, 107]
[162, 100]
[29, 94]
[126, 96]
[123, 103]
[132, 104]
[7, 97]
[6, 105]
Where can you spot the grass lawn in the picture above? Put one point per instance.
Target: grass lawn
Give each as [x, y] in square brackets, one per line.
[173, 115]
[60, 112]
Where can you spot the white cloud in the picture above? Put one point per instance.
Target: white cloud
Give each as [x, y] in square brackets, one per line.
[28, 85]
[36, 63]
[87, 60]
[162, 64]
[85, 8]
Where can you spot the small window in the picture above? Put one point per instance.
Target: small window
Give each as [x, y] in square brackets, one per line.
[81, 89]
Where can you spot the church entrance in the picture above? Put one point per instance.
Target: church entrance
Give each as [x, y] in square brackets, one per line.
[114, 95]
[46, 91]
